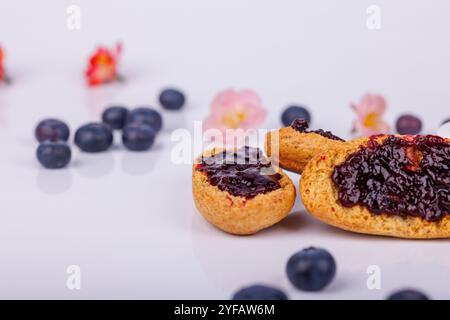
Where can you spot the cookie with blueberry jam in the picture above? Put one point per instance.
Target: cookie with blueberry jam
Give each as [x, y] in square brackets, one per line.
[240, 191]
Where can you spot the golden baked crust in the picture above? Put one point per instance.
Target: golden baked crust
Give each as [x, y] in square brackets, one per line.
[320, 197]
[238, 215]
[295, 148]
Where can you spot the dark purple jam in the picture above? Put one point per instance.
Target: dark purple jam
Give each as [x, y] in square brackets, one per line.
[400, 177]
[302, 126]
[244, 173]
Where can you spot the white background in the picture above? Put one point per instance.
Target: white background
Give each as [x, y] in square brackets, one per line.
[127, 219]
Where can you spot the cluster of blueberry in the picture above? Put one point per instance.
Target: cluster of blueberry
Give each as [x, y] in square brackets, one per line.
[405, 124]
[139, 129]
[311, 269]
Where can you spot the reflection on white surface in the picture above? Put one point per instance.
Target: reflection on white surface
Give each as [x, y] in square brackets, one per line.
[98, 98]
[94, 165]
[3, 105]
[230, 262]
[54, 181]
[139, 163]
[174, 119]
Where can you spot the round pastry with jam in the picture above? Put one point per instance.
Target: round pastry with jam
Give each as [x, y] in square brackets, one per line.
[386, 185]
[240, 191]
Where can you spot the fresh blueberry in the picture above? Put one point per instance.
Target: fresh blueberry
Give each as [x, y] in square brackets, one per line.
[145, 115]
[52, 129]
[311, 269]
[259, 292]
[172, 99]
[408, 124]
[408, 294]
[294, 112]
[54, 154]
[138, 136]
[115, 116]
[94, 137]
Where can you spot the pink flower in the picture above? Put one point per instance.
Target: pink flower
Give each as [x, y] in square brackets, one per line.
[235, 110]
[369, 113]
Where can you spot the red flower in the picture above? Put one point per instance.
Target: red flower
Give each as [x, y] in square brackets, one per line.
[3, 75]
[2, 69]
[102, 67]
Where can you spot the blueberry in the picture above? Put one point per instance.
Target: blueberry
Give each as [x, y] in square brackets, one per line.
[311, 269]
[408, 294]
[148, 116]
[259, 292]
[52, 129]
[445, 121]
[138, 136]
[54, 154]
[115, 116]
[408, 124]
[172, 99]
[94, 137]
[294, 112]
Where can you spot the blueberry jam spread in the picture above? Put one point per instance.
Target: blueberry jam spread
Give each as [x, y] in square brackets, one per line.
[243, 173]
[407, 177]
[302, 126]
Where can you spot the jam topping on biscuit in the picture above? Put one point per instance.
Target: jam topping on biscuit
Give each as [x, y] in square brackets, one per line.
[243, 173]
[302, 126]
[400, 176]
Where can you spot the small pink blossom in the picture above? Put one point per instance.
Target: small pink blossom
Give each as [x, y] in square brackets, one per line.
[369, 112]
[232, 109]
[235, 112]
